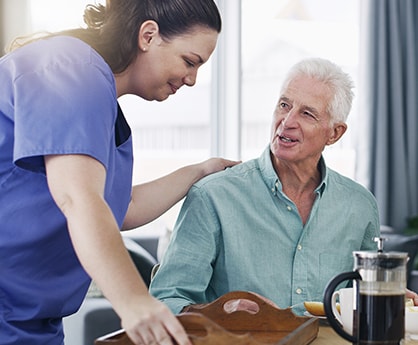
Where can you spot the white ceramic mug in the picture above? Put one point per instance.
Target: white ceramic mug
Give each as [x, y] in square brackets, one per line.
[345, 315]
[411, 322]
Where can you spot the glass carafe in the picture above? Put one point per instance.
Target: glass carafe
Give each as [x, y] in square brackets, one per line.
[379, 282]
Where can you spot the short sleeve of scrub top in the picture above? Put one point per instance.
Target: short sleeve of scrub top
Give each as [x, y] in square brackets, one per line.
[64, 108]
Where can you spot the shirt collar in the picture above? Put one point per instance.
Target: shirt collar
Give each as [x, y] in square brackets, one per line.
[324, 176]
[272, 180]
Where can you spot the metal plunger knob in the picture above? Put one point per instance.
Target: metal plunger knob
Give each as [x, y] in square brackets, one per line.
[380, 241]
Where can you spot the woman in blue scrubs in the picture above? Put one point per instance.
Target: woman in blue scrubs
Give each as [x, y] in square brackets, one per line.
[66, 164]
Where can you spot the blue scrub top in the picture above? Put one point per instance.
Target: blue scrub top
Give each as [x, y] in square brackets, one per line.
[58, 97]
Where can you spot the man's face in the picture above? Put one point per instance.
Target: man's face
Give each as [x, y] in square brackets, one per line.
[301, 124]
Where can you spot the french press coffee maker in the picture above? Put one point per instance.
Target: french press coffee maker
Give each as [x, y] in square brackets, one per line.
[379, 283]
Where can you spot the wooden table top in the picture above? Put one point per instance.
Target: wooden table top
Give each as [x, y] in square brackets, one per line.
[327, 336]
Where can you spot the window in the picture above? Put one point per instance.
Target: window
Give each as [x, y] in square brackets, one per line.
[274, 35]
[277, 34]
[50, 15]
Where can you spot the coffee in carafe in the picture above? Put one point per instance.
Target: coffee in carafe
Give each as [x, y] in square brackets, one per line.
[379, 282]
[380, 318]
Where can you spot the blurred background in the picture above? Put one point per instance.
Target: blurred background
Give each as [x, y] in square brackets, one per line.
[228, 112]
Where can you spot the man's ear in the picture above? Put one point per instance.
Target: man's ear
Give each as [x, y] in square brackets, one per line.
[338, 130]
[148, 32]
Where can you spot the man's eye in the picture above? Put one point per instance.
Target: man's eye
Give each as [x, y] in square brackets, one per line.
[309, 114]
[189, 63]
[283, 105]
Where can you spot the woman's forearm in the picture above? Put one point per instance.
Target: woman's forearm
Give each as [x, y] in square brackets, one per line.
[150, 200]
[101, 251]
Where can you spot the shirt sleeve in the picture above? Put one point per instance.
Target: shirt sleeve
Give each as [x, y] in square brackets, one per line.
[65, 108]
[187, 266]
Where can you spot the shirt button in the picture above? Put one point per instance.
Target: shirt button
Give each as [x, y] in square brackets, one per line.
[289, 208]
[298, 291]
[299, 247]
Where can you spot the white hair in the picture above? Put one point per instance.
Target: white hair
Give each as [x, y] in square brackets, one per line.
[339, 82]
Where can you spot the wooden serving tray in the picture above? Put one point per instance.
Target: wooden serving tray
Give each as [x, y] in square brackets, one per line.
[211, 324]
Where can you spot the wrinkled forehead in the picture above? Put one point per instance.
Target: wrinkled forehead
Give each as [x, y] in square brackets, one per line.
[309, 91]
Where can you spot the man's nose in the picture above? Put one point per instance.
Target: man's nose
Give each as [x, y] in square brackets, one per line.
[288, 119]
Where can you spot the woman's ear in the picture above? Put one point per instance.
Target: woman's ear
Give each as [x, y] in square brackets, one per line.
[148, 32]
[338, 130]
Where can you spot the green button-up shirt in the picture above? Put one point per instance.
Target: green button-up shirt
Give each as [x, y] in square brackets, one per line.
[237, 230]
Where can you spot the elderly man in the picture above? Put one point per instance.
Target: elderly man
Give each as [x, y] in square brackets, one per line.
[281, 225]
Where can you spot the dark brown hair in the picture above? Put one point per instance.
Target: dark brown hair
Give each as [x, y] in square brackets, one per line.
[112, 30]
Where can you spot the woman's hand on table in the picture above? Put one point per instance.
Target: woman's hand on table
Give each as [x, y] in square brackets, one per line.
[151, 322]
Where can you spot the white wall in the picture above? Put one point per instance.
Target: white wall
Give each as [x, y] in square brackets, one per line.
[15, 23]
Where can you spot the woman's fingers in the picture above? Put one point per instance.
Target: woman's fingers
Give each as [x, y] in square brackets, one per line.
[156, 325]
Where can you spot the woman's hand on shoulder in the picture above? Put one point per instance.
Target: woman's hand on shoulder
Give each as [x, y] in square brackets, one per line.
[213, 165]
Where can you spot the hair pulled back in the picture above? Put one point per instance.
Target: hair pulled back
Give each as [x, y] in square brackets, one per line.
[112, 30]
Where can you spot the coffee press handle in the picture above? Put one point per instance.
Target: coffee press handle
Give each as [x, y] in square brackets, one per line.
[329, 290]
